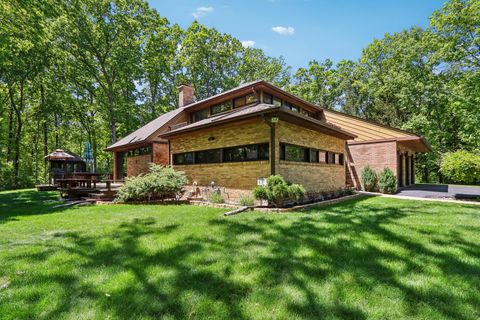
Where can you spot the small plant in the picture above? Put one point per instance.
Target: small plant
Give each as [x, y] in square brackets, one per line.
[387, 182]
[246, 200]
[369, 179]
[278, 192]
[216, 197]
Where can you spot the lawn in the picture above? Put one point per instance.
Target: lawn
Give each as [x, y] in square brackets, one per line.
[369, 258]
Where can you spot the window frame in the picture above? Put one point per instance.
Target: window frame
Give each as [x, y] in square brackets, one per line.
[222, 154]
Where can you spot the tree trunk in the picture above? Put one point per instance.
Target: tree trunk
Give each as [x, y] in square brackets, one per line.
[57, 126]
[45, 132]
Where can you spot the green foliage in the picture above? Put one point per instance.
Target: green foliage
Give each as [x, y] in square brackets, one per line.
[71, 73]
[387, 182]
[160, 183]
[461, 167]
[8, 180]
[369, 179]
[246, 200]
[279, 192]
[216, 197]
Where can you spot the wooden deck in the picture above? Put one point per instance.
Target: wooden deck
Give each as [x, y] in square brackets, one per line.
[103, 191]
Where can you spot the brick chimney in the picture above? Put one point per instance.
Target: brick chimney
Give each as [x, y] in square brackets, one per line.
[185, 95]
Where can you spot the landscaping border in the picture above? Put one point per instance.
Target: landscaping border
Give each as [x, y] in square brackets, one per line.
[310, 205]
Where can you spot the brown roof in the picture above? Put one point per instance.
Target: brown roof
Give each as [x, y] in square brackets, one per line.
[256, 110]
[61, 155]
[147, 131]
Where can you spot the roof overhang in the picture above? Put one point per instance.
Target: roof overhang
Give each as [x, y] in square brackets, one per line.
[416, 143]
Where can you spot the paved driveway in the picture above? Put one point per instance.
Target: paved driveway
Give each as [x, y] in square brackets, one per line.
[440, 191]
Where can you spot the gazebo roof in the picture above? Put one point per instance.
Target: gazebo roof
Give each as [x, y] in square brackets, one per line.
[61, 155]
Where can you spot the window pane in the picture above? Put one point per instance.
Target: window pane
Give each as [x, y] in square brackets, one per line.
[313, 155]
[208, 156]
[246, 153]
[200, 115]
[183, 158]
[222, 107]
[294, 153]
[239, 102]
[251, 98]
[263, 152]
[277, 102]
[340, 159]
[251, 152]
[233, 154]
[291, 106]
[267, 98]
[330, 157]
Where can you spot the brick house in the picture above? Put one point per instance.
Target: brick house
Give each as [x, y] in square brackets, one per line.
[255, 130]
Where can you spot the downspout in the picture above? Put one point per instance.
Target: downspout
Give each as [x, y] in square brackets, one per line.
[272, 126]
[272, 148]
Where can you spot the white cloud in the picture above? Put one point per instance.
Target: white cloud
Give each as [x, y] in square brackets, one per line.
[202, 11]
[248, 43]
[284, 31]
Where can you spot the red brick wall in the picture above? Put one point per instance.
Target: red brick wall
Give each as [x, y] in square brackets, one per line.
[377, 155]
[160, 153]
[138, 164]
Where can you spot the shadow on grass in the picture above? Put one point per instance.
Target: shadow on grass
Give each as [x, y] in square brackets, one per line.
[27, 202]
[299, 251]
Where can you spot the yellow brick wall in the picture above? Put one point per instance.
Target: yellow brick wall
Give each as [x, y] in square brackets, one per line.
[244, 175]
[313, 176]
[240, 175]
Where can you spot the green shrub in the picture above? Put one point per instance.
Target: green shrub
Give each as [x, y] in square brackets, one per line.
[216, 197]
[246, 200]
[9, 181]
[387, 182]
[461, 167]
[160, 183]
[278, 192]
[369, 179]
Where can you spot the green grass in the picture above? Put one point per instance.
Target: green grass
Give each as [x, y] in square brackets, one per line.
[369, 258]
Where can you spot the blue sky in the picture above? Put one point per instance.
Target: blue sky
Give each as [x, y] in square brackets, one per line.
[302, 30]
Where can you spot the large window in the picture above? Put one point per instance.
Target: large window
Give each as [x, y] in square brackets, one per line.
[246, 153]
[219, 108]
[252, 152]
[289, 152]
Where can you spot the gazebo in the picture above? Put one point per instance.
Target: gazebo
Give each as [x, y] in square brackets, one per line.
[63, 164]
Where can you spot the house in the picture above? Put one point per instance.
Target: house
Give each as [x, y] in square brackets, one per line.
[255, 130]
